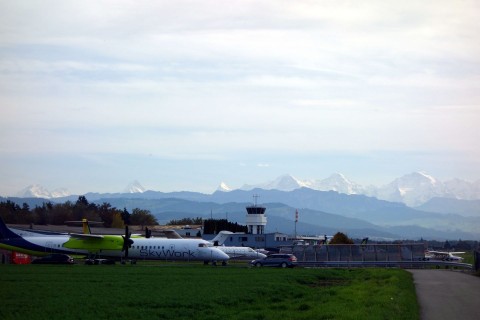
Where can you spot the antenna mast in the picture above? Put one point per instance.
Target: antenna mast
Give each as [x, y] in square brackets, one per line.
[255, 198]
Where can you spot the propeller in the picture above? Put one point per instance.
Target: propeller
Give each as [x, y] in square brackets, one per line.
[148, 233]
[127, 242]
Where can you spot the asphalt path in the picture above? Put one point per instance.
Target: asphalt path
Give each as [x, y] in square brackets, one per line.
[447, 294]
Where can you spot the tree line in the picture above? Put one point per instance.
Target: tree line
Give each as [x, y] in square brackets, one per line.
[58, 213]
[214, 226]
[185, 221]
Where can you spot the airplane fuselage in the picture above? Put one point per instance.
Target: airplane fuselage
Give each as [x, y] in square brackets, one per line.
[443, 255]
[174, 249]
[110, 246]
[241, 252]
[40, 245]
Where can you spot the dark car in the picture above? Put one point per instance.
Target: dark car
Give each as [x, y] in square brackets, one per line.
[56, 258]
[276, 260]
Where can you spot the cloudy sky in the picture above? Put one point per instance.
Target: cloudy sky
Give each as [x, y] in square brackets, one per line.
[181, 95]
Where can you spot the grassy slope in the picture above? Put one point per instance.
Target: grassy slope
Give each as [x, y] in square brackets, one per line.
[198, 292]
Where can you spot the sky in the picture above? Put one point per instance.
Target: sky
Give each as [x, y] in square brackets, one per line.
[182, 95]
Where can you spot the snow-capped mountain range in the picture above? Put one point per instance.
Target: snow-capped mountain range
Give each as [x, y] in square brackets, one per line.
[413, 189]
[38, 191]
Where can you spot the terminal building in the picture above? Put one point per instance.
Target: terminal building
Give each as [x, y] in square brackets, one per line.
[256, 221]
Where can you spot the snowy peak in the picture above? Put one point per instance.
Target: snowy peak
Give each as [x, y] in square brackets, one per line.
[134, 187]
[412, 189]
[336, 182]
[286, 183]
[38, 191]
[34, 191]
[224, 187]
[461, 189]
[59, 193]
[283, 183]
[416, 179]
[339, 183]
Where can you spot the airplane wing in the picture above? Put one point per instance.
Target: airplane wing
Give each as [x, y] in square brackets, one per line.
[437, 252]
[137, 235]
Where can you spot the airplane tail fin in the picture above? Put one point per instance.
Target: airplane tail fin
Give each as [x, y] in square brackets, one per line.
[86, 227]
[5, 232]
[221, 237]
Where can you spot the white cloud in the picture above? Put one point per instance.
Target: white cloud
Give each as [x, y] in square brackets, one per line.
[208, 79]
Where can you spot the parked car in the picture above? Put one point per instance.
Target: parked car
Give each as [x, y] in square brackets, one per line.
[56, 258]
[276, 260]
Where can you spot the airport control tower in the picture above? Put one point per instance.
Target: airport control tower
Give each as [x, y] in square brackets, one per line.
[256, 219]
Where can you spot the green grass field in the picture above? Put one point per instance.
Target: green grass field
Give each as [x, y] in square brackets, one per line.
[204, 292]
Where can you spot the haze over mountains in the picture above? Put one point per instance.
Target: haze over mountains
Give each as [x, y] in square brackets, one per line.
[413, 189]
[325, 206]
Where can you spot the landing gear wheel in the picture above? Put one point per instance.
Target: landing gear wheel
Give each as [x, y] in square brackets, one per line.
[224, 263]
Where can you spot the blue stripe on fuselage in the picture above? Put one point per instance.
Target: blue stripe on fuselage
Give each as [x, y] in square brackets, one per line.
[24, 246]
[11, 241]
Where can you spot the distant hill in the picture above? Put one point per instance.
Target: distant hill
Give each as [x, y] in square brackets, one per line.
[468, 208]
[31, 202]
[319, 210]
[281, 218]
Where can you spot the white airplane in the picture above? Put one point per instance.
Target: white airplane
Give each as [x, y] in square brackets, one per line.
[241, 252]
[221, 237]
[233, 252]
[442, 255]
[113, 246]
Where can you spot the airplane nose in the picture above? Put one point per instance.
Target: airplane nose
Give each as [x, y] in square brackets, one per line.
[219, 254]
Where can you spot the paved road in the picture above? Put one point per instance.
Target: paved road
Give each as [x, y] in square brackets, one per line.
[447, 294]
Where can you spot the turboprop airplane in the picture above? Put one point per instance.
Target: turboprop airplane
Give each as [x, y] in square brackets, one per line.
[443, 255]
[113, 246]
[232, 252]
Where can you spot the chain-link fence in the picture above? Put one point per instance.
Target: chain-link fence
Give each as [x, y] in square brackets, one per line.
[357, 252]
[403, 255]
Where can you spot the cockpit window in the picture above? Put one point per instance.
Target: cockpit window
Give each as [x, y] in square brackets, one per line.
[202, 245]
